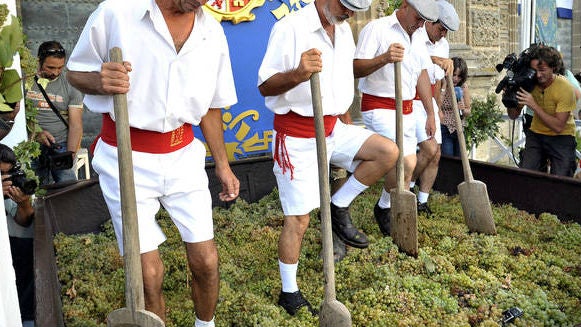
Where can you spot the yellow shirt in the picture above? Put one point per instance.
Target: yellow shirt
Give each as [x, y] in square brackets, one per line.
[558, 97]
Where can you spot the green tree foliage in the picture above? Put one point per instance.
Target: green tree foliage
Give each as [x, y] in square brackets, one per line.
[12, 42]
[483, 121]
[392, 6]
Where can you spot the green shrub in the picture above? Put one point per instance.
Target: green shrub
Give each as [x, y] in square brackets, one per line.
[483, 121]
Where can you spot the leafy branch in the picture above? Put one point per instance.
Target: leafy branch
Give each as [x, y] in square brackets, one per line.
[483, 121]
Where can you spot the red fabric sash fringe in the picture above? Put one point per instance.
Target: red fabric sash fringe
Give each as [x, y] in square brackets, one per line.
[295, 125]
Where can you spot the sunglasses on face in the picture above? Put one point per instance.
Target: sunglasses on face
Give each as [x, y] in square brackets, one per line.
[51, 52]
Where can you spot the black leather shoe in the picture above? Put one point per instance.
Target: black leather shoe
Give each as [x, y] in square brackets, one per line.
[292, 302]
[382, 218]
[344, 229]
[423, 207]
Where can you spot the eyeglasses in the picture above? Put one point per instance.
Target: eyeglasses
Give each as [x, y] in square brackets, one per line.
[50, 52]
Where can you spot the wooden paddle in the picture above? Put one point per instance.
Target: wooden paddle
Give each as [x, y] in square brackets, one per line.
[333, 313]
[134, 314]
[404, 210]
[473, 194]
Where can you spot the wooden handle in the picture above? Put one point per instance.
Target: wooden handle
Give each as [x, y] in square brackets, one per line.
[324, 192]
[460, 131]
[399, 125]
[134, 298]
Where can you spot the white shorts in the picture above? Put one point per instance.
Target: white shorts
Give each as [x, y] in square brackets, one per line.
[382, 121]
[300, 195]
[176, 180]
[421, 117]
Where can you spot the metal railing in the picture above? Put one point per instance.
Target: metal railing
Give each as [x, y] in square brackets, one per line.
[506, 150]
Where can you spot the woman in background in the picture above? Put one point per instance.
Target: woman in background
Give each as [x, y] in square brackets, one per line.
[450, 145]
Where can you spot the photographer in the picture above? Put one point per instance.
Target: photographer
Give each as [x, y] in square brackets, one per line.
[60, 115]
[552, 132]
[19, 216]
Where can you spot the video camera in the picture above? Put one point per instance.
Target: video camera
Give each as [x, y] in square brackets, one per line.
[518, 74]
[18, 178]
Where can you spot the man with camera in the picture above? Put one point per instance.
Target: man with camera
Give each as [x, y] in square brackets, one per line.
[59, 114]
[19, 216]
[552, 132]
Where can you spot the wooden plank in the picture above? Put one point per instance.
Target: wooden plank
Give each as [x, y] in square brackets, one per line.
[527, 190]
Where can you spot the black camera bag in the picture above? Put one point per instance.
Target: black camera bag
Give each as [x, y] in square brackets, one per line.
[57, 160]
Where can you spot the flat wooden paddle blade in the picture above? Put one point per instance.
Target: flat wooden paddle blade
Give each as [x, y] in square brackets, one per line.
[124, 317]
[334, 314]
[476, 207]
[404, 221]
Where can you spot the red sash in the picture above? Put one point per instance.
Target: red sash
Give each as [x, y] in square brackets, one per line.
[295, 125]
[148, 141]
[371, 102]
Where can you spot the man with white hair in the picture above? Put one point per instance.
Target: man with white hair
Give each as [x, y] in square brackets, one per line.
[383, 42]
[433, 36]
[316, 39]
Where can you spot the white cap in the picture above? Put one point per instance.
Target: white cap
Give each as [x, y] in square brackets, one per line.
[356, 5]
[428, 9]
[448, 16]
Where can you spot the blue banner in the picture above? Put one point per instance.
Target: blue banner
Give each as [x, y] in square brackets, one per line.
[247, 24]
[546, 22]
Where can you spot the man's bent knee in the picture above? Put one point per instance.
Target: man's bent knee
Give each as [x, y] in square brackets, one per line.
[429, 148]
[202, 256]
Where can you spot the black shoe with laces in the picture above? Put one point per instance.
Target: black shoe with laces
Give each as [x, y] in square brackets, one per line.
[344, 229]
[423, 207]
[292, 302]
[382, 218]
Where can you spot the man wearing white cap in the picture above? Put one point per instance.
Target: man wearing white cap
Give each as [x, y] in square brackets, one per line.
[316, 39]
[433, 36]
[381, 43]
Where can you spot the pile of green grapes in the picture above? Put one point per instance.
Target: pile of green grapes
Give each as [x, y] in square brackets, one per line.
[458, 279]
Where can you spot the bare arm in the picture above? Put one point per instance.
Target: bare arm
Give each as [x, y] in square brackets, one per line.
[75, 129]
[445, 63]
[24, 211]
[364, 67]
[424, 89]
[112, 79]
[555, 122]
[467, 101]
[211, 126]
[280, 83]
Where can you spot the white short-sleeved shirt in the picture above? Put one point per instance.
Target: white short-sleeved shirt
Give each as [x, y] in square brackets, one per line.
[374, 40]
[168, 88]
[439, 49]
[435, 73]
[292, 36]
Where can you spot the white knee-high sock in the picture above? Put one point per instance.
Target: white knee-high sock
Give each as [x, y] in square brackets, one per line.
[423, 197]
[201, 323]
[384, 200]
[288, 276]
[345, 195]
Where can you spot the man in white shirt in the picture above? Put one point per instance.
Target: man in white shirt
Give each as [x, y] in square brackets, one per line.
[181, 76]
[433, 36]
[381, 43]
[316, 39]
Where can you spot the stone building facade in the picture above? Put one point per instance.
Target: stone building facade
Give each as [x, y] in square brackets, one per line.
[489, 30]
